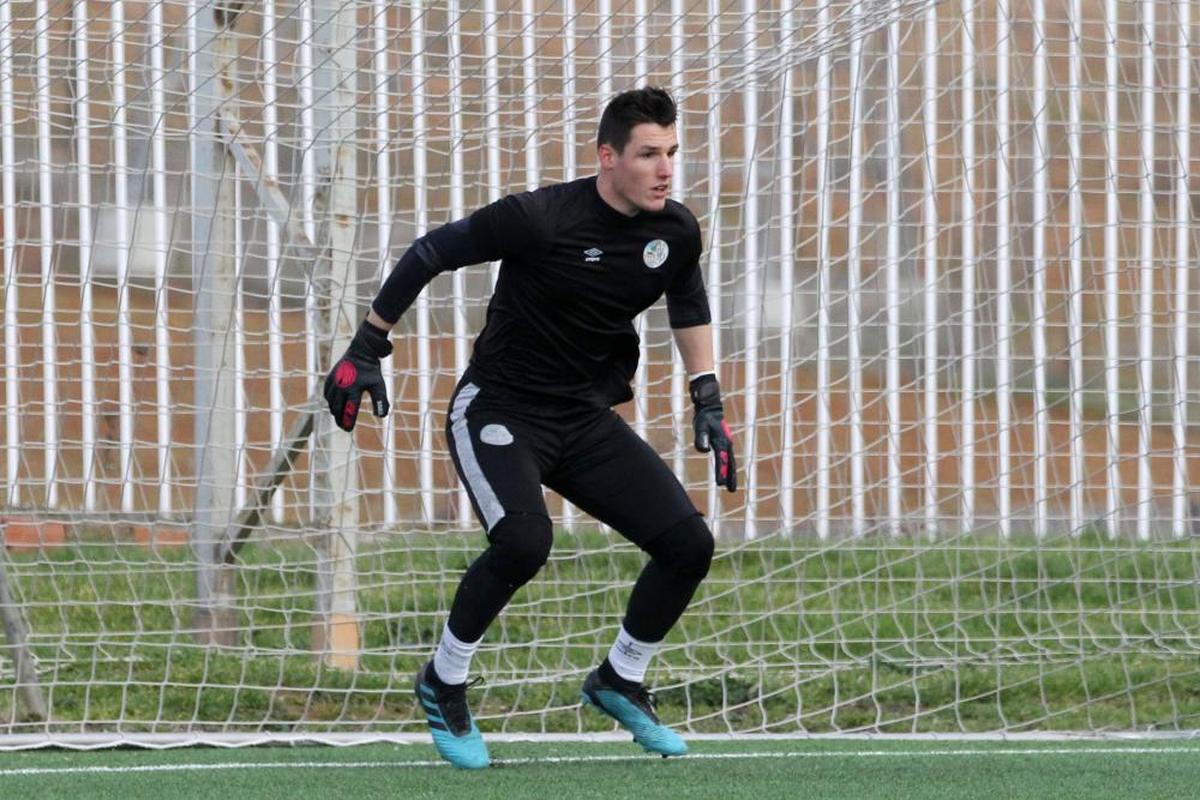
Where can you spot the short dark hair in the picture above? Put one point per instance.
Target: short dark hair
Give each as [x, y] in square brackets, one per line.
[631, 108]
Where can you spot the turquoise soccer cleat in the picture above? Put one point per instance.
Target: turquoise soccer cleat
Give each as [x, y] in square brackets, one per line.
[454, 733]
[634, 710]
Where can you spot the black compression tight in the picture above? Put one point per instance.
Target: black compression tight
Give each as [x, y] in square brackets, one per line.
[679, 561]
[520, 545]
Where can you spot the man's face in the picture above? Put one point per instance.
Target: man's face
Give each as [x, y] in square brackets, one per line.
[640, 175]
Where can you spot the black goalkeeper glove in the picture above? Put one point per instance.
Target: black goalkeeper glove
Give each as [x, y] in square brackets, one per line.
[358, 371]
[712, 432]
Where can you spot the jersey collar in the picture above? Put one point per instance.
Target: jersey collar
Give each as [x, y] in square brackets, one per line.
[610, 214]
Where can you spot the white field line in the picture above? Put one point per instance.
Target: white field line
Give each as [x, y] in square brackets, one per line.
[508, 762]
[341, 740]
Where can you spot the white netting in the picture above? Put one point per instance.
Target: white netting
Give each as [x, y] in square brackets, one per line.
[947, 246]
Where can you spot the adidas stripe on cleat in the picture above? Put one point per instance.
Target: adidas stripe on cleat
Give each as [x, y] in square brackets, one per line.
[454, 733]
[634, 710]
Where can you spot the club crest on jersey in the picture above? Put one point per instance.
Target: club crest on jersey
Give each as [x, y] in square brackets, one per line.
[592, 254]
[655, 254]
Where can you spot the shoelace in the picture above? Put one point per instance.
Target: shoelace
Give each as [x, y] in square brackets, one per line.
[646, 698]
[453, 703]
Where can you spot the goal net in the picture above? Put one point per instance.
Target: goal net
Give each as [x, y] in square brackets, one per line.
[948, 249]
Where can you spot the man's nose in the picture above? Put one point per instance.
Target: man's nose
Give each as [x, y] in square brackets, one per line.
[665, 167]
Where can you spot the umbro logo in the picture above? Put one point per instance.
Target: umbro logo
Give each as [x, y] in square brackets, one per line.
[592, 254]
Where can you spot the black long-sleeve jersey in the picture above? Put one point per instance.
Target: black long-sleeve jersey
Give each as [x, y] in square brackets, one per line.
[574, 273]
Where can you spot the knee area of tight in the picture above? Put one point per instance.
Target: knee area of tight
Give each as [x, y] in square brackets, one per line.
[686, 549]
[520, 545]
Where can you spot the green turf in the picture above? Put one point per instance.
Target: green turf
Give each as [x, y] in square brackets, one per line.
[759, 770]
[787, 634]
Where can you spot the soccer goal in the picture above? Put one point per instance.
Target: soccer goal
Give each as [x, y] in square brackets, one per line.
[948, 249]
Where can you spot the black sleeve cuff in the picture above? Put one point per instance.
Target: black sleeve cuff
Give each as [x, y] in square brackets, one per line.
[692, 320]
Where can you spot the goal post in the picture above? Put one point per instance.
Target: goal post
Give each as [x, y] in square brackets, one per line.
[948, 249]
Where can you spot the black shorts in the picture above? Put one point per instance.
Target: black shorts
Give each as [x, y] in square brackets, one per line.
[505, 449]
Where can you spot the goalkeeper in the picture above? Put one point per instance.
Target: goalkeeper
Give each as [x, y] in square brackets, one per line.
[579, 261]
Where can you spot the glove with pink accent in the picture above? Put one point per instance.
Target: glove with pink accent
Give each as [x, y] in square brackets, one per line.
[712, 432]
[358, 371]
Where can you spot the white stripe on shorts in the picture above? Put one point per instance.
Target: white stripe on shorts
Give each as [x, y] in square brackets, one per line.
[477, 482]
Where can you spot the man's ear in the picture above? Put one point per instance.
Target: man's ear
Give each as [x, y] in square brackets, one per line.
[607, 155]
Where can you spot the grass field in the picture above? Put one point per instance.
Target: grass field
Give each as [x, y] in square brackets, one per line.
[787, 635]
[754, 769]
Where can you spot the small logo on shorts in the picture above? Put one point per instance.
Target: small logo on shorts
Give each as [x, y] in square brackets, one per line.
[592, 254]
[495, 434]
[655, 254]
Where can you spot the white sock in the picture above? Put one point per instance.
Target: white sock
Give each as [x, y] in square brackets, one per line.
[630, 657]
[452, 661]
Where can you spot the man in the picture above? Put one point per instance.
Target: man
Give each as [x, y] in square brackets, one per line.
[579, 261]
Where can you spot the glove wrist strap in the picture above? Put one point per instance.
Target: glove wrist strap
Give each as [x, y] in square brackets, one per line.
[374, 340]
[705, 391]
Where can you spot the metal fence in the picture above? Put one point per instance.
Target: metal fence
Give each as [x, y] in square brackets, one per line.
[948, 246]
